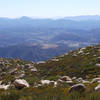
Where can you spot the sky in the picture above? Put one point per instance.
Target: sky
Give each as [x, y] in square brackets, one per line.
[48, 8]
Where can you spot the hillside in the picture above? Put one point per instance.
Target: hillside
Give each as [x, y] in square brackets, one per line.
[81, 63]
[53, 78]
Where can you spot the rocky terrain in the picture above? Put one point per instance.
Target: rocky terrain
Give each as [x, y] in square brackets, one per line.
[71, 76]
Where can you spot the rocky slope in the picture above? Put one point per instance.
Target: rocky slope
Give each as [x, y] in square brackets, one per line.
[77, 70]
[84, 62]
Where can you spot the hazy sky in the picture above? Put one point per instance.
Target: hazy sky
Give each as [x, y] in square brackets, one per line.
[48, 8]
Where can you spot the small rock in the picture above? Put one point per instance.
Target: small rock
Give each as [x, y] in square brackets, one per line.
[66, 78]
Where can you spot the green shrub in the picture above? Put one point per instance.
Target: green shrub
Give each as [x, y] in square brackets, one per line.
[10, 96]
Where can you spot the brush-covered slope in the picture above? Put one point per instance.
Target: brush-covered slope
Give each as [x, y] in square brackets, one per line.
[54, 79]
[84, 62]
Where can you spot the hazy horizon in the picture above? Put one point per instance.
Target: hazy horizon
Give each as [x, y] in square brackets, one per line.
[55, 17]
[48, 8]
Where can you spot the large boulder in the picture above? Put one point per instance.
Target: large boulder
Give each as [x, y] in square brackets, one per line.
[20, 83]
[77, 87]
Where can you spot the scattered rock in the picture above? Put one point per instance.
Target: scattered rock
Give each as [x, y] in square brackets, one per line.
[95, 80]
[41, 62]
[74, 78]
[27, 66]
[74, 55]
[45, 82]
[0, 82]
[87, 53]
[98, 65]
[78, 88]
[62, 56]
[97, 88]
[53, 83]
[59, 81]
[5, 87]
[85, 82]
[80, 52]
[20, 74]
[69, 82]
[13, 71]
[54, 59]
[83, 48]
[95, 55]
[38, 85]
[98, 59]
[34, 70]
[79, 80]
[20, 83]
[66, 78]
[48, 82]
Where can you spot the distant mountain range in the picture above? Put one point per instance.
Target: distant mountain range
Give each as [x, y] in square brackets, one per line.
[78, 22]
[83, 18]
[19, 35]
